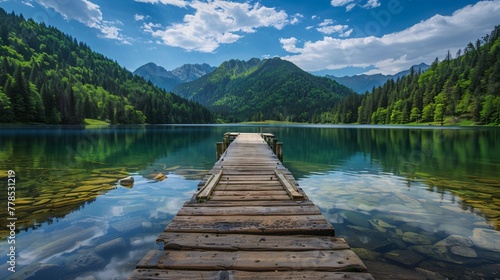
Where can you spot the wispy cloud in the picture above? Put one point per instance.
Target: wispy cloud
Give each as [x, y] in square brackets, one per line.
[178, 3]
[340, 3]
[87, 13]
[350, 4]
[372, 4]
[138, 17]
[328, 27]
[218, 22]
[27, 3]
[397, 51]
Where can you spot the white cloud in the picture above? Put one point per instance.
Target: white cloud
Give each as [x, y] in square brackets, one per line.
[350, 7]
[27, 3]
[85, 12]
[138, 17]
[397, 51]
[289, 44]
[178, 3]
[113, 32]
[328, 27]
[296, 18]
[340, 3]
[219, 22]
[372, 4]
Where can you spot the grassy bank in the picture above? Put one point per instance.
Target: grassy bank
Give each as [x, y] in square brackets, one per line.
[95, 122]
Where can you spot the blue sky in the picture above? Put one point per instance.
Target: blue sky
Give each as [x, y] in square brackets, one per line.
[340, 37]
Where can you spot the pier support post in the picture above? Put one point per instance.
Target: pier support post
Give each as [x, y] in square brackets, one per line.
[220, 149]
[279, 151]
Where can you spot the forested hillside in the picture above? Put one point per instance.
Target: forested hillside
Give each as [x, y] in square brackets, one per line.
[466, 87]
[264, 89]
[49, 77]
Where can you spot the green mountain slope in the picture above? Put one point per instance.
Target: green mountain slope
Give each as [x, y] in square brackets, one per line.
[49, 77]
[466, 87]
[264, 89]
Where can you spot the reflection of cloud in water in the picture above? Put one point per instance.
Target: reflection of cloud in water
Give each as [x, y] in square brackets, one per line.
[118, 267]
[117, 211]
[44, 252]
[169, 206]
[145, 240]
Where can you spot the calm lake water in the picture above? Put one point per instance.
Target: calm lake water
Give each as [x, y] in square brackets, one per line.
[420, 202]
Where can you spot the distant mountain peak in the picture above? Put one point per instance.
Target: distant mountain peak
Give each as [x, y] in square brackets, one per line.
[362, 82]
[169, 79]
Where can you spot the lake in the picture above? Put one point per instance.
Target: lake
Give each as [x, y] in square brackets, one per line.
[417, 201]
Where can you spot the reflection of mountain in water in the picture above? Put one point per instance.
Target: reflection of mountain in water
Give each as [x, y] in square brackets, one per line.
[59, 170]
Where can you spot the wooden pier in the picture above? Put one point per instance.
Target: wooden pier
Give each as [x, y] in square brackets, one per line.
[249, 220]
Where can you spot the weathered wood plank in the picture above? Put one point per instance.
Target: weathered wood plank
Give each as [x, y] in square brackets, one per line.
[266, 187]
[250, 171]
[250, 203]
[163, 274]
[248, 178]
[312, 224]
[205, 192]
[328, 260]
[292, 191]
[256, 182]
[255, 197]
[249, 210]
[250, 194]
[245, 242]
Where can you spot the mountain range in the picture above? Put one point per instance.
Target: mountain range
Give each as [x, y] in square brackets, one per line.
[263, 89]
[362, 83]
[167, 80]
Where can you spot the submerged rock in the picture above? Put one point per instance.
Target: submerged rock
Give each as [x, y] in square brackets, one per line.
[455, 240]
[463, 251]
[356, 219]
[83, 260]
[160, 177]
[127, 181]
[437, 252]
[486, 238]
[459, 246]
[405, 257]
[380, 223]
[430, 275]
[366, 254]
[415, 238]
[112, 245]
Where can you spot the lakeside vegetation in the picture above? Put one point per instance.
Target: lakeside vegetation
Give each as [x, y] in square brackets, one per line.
[466, 87]
[49, 77]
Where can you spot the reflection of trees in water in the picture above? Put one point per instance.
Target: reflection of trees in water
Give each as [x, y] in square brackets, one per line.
[60, 170]
[461, 161]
